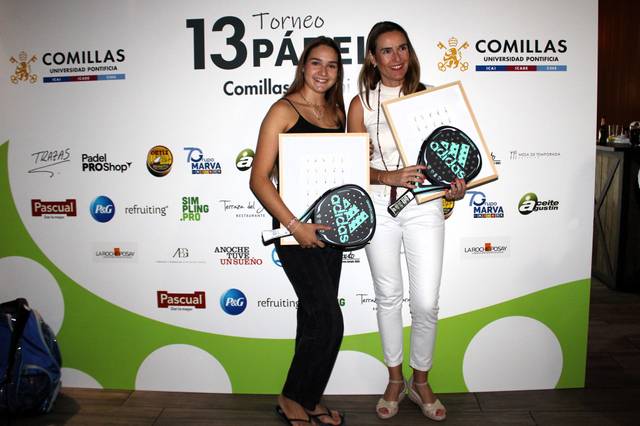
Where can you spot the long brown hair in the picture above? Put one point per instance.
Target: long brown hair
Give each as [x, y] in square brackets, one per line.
[370, 75]
[333, 96]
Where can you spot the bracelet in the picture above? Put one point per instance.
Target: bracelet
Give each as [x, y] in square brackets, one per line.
[291, 222]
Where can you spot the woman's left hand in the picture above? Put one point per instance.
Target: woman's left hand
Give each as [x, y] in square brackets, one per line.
[457, 190]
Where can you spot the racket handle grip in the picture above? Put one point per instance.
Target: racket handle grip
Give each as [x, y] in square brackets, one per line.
[271, 235]
[402, 202]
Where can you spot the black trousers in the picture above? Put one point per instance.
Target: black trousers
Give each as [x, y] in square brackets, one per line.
[315, 276]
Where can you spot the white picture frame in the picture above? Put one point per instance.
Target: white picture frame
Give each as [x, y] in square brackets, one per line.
[412, 118]
[309, 164]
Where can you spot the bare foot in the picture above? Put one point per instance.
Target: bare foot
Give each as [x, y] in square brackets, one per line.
[293, 410]
[321, 413]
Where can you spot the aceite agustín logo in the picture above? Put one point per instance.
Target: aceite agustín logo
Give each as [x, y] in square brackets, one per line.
[102, 209]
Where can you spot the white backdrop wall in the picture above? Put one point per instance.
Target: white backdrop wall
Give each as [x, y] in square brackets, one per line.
[88, 88]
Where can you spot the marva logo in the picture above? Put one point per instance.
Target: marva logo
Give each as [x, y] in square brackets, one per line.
[23, 68]
[452, 58]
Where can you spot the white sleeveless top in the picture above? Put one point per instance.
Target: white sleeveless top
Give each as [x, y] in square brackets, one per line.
[376, 124]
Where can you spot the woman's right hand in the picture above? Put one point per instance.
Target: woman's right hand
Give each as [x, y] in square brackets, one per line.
[305, 235]
[406, 177]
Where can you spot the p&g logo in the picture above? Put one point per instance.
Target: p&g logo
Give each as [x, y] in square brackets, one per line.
[233, 302]
[102, 209]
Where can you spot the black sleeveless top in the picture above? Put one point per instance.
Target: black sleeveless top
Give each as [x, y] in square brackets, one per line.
[303, 126]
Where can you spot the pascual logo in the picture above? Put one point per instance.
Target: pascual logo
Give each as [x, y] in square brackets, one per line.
[159, 160]
[452, 58]
[53, 209]
[529, 203]
[149, 209]
[492, 247]
[200, 165]
[104, 252]
[238, 255]
[233, 302]
[532, 155]
[99, 163]
[482, 208]
[180, 255]
[46, 160]
[181, 301]
[23, 68]
[243, 210]
[102, 209]
[67, 65]
[244, 160]
[192, 209]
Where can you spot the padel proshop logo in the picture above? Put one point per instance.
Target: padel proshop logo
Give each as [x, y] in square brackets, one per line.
[530, 203]
[102, 209]
[244, 160]
[53, 209]
[99, 163]
[483, 208]
[200, 165]
[485, 247]
[181, 301]
[233, 302]
[236, 255]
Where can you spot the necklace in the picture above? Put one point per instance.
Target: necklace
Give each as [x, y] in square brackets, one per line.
[394, 190]
[318, 110]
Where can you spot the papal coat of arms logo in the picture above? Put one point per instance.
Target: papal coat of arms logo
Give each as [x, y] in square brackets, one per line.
[452, 58]
[23, 68]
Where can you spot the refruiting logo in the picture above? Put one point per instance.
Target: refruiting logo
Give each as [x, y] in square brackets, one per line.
[244, 160]
[159, 161]
[102, 209]
[233, 302]
[23, 68]
[452, 57]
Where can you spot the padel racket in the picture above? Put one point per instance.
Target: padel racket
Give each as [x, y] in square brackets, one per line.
[448, 154]
[347, 209]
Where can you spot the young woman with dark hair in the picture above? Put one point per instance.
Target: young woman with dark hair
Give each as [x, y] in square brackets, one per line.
[312, 104]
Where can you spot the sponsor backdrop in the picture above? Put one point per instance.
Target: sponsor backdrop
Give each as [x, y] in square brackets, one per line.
[127, 134]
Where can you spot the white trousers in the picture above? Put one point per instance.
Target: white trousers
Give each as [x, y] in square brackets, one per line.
[420, 228]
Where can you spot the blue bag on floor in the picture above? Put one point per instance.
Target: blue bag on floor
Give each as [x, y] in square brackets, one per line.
[30, 360]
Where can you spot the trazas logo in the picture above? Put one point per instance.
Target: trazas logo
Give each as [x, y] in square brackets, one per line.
[23, 68]
[452, 58]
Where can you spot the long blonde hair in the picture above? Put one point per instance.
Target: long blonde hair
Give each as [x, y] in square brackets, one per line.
[370, 75]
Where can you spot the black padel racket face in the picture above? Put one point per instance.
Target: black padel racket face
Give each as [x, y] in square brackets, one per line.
[448, 154]
[348, 210]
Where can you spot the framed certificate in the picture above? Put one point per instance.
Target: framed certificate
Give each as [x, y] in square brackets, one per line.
[412, 118]
[312, 163]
